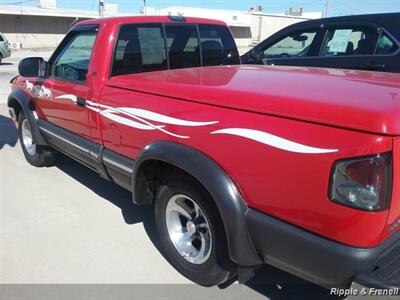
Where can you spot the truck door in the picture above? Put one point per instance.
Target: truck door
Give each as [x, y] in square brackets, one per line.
[65, 90]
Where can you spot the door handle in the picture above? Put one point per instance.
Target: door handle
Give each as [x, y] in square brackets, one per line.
[375, 66]
[80, 101]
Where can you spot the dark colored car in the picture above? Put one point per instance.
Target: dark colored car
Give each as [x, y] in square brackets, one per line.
[363, 42]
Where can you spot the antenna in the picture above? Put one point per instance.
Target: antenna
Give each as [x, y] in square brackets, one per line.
[326, 8]
[101, 8]
[145, 7]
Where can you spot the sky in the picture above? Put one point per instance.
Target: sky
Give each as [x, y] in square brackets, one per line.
[335, 8]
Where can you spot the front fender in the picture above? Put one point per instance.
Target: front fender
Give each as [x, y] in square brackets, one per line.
[220, 186]
[24, 101]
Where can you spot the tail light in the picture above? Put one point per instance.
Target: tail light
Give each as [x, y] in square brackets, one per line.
[363, 183]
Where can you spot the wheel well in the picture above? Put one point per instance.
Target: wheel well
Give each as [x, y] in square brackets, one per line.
[12, 102]
[151, 174]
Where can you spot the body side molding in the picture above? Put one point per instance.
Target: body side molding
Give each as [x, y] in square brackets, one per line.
[119, 168]
[221, 187]
[107, 163]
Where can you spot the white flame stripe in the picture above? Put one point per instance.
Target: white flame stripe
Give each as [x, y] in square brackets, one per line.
[110, 114]
[152, 116]
[70, 97]
[150, 124]
[94, 109]
[273, 140]
[256, 135]
[160, 128]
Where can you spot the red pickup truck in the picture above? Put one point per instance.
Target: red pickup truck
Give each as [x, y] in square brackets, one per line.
[245, 165]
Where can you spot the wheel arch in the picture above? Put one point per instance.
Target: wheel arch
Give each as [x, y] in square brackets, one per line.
[214, 179]
[20, 101]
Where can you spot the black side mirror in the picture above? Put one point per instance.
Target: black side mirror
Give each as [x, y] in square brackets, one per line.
[254, 55]
[32, 67]
[300, 38]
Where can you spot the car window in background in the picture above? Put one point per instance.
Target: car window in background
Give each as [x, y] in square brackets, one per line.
[183, 46]
[1, 38]
[386, 45]
[72, 63]
[218, 46]
[350, 41]
[139, 48]
[294, 45]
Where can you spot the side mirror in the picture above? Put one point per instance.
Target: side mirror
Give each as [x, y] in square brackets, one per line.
[300, 38]
[32, 67]
[254, 55]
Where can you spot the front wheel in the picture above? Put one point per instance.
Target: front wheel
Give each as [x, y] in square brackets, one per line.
[191, 231]
[36, 155]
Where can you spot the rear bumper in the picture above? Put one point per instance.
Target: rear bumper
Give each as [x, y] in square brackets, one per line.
[315, 258]
[386, 274]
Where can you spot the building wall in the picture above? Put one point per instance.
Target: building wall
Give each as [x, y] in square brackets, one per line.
[35, 31]
[271, 24]
[242, 36]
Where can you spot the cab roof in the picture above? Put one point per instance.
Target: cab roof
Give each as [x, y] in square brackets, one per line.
[150, 19]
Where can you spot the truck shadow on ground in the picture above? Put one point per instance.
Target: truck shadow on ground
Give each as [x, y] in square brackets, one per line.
[8, 132]
[268, 281]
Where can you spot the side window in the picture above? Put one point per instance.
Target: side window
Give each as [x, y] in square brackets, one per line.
[218, 46]
[72, 62]
[386, 45]
[139, 48]
[183, 46]
[1, 38]
[294, 45]
[350, 41]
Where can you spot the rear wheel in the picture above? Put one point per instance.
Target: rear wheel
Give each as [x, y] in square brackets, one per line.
[191, 231]
[36, 155]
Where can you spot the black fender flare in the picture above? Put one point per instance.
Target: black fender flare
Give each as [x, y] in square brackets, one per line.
[223, 190]
[24, 101]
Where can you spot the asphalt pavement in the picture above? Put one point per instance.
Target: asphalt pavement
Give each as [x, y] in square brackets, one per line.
[77, 234]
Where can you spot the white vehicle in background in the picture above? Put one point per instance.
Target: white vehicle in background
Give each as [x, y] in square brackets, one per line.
[4, 47]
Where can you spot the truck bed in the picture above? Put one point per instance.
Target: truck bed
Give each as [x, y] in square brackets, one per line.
[365, 101]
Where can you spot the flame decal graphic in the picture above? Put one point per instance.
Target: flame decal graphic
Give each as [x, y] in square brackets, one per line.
[272, 140]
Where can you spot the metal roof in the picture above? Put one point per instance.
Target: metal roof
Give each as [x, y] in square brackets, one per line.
[47, 12]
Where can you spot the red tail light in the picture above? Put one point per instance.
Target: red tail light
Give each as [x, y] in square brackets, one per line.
[363, 183]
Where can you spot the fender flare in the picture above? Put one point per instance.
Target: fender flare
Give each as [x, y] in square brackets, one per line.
[24, 101]
[227, 197]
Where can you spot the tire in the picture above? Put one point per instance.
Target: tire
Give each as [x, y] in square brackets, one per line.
[212, 266]
[36, 155]
[1, 59]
